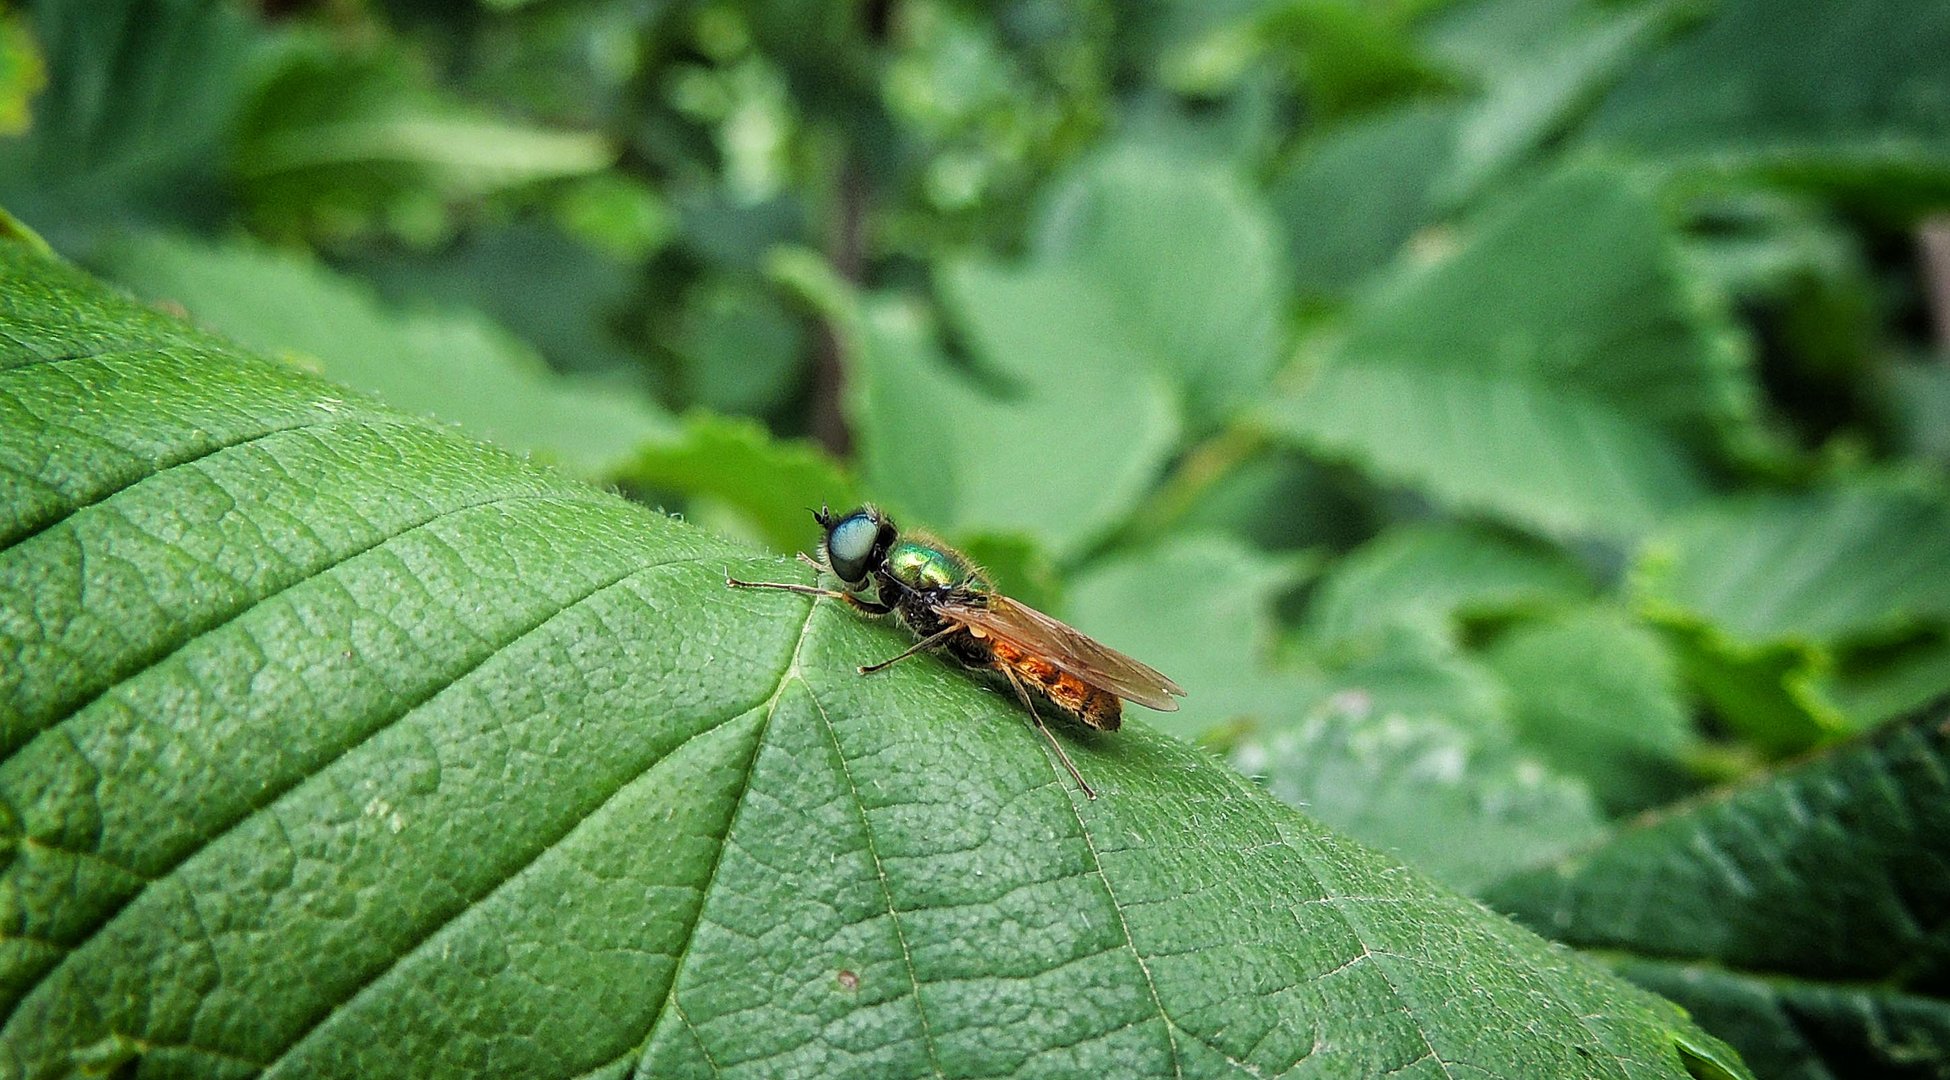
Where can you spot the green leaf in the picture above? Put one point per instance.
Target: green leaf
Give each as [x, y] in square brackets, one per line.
[1917, 398]
[23, 73]
[575, 303]
[1550, 79]
[1801, 917]
[1350, 199]
[1420, 671]
[772, 483]
[1857, 562]
[337, 745]
[1199, 609]
[1596, 694]
[1557, 371]
[1871, 686]
[456, 366]
[339, 144]
[1356, 55]
[1061, 455]
[738, 348]
[1801, 616]
[1143, 263]
[138, 96]
[1797, 87]
[1464, 804]
[1434, 575]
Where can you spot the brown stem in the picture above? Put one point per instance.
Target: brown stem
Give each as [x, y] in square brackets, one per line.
[846, 251]
[1933, 237]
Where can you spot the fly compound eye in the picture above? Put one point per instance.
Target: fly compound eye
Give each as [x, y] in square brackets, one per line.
[850, 544]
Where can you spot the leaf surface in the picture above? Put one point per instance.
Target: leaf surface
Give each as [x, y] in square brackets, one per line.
[1802, 915]
[1803, 87]
[1558, 371]
[1088, 436]
[1165, 267]
[1804, 615]
[453, 365]
[1596, 693]
[1435, 576]
[339, 745]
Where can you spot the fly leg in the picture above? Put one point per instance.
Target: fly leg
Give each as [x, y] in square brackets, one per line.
[784, 586]
[1022, 694]
[928, 642]
[868, 606]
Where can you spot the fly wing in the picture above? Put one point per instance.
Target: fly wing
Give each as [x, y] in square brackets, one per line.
[1068, 649]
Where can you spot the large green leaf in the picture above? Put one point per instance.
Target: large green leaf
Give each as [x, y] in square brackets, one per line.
[1143, 263]
[339, 143]
[1803, 615]
[1596, 693]
[1802, 87]
[1560, 370]
[1061, 455]
[138, 96]
[1802, 917]
[1434, 575]
[337, 745]
[451, 364]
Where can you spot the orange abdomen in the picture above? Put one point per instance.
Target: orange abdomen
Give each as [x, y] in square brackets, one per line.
[1094, 706]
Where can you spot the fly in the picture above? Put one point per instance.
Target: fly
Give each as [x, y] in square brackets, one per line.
[948, 604]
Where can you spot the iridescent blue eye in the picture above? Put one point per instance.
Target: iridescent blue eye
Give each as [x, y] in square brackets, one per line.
[850, 543]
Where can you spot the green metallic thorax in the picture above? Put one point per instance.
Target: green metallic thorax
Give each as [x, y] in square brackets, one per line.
[919, 564]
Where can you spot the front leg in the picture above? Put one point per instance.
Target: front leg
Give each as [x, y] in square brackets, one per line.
[870, 607]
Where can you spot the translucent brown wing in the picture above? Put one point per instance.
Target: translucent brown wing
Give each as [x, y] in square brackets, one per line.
[1067, 649]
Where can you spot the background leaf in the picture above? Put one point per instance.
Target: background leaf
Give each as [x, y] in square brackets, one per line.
[1206, 318]
[321, 720]
[1597, 695]
[1544, 380]
[1801, 915]
[1437, 576]
[459, 367]
[138, 95]
[1801, 88]
[931, 438]
[1458, 801]
[1795, 647]
[1352, 197]
[339, 143]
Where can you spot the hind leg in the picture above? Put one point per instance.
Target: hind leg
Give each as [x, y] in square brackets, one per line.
[1022, 694]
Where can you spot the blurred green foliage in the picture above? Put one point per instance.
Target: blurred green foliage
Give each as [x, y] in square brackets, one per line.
[1503, 415]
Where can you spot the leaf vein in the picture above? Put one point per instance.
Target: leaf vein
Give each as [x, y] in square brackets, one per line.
[886, 893]
[273, 797]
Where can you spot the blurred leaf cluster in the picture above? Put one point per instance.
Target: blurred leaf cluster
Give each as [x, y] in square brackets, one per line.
[1503, 416]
